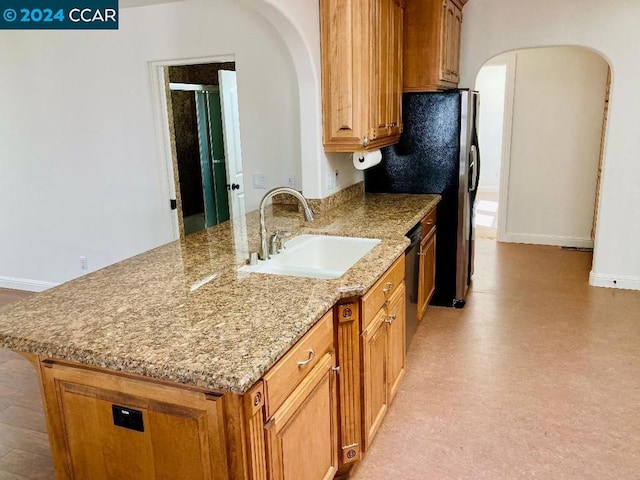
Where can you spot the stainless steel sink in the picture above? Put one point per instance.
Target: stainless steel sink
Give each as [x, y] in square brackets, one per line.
[316, 256]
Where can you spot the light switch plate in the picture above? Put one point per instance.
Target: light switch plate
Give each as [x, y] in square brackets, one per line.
[260, 181]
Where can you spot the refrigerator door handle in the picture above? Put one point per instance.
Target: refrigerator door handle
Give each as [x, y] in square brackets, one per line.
[473, 167]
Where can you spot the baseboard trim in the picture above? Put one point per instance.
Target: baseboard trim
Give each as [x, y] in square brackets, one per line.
[26, 284]
[554, 240]
[614, 281]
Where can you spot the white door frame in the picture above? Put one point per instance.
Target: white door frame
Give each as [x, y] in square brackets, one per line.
[168, 177]
[507, 129]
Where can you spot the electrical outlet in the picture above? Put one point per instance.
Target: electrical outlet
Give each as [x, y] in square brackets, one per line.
[331, 181]
[291, 181]
[84, 265]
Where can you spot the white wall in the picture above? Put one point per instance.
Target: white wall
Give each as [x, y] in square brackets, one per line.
[555, 145]
[492, 27]
[491, 82]
[298, 21]
[81, 167]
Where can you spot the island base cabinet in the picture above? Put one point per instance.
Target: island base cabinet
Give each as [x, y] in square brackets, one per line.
[302, 434]
[104, 427]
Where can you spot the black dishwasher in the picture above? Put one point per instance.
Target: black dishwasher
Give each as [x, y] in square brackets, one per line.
[411, 273]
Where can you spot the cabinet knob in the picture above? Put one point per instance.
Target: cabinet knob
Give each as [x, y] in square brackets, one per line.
[388, 287]
[390, 318]
[365, 141]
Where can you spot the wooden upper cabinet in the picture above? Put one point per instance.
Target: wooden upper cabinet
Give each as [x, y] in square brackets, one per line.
[432, 44]
[361, 43]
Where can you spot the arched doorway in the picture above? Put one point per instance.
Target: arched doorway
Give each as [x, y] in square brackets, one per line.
[543, 119]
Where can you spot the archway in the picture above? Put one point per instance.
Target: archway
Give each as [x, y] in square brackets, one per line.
[548, 144]
[304, 49]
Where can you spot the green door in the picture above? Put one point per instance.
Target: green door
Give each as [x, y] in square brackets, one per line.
[219, 172]
[212, 164]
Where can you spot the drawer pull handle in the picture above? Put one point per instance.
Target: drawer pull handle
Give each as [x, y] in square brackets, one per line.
[312, 355]
[388, 287]
[390, 318]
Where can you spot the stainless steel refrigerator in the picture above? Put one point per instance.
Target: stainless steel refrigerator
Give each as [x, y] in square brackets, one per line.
[438, 153]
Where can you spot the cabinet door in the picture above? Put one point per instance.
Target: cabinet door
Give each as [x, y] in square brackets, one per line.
[375, 379]
[456, 30]
[396, 68]
[445, 40]
[105, 426]
[345, 29]
[381, 86]
[427, 273]
[302, 435]
[396, 334]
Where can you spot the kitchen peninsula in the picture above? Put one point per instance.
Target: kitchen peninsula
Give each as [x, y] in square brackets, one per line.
[175, 361]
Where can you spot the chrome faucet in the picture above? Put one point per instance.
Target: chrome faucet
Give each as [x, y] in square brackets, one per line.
[263, 254]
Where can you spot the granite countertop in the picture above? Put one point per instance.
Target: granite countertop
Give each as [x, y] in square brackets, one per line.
[183, 312]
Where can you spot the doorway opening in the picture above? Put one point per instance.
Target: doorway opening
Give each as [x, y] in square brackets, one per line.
[198, 124]
[542, 136]
[204, 136]
[492, 83]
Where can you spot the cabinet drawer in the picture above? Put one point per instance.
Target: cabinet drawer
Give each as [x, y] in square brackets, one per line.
[381, 291]
[428, 223]
[291, 369]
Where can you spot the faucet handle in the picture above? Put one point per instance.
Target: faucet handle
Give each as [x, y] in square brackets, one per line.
[274, 243]
[280, 239]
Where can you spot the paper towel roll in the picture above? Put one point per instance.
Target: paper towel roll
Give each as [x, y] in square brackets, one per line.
[364, 160]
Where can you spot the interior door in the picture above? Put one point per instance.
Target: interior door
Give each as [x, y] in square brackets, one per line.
[218, 167]
[206, 170]
[232, 147]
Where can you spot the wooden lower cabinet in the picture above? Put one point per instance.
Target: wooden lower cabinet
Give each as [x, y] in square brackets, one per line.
[370, 345]
[105, 426]
[427, 263]
[427, 273]
[383, 360]
[108, 425]
[375, 346]
[302, 434]
[396, 324]
[311, 416]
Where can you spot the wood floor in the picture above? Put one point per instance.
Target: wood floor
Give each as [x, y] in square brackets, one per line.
[538, 377]
[24, 443]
